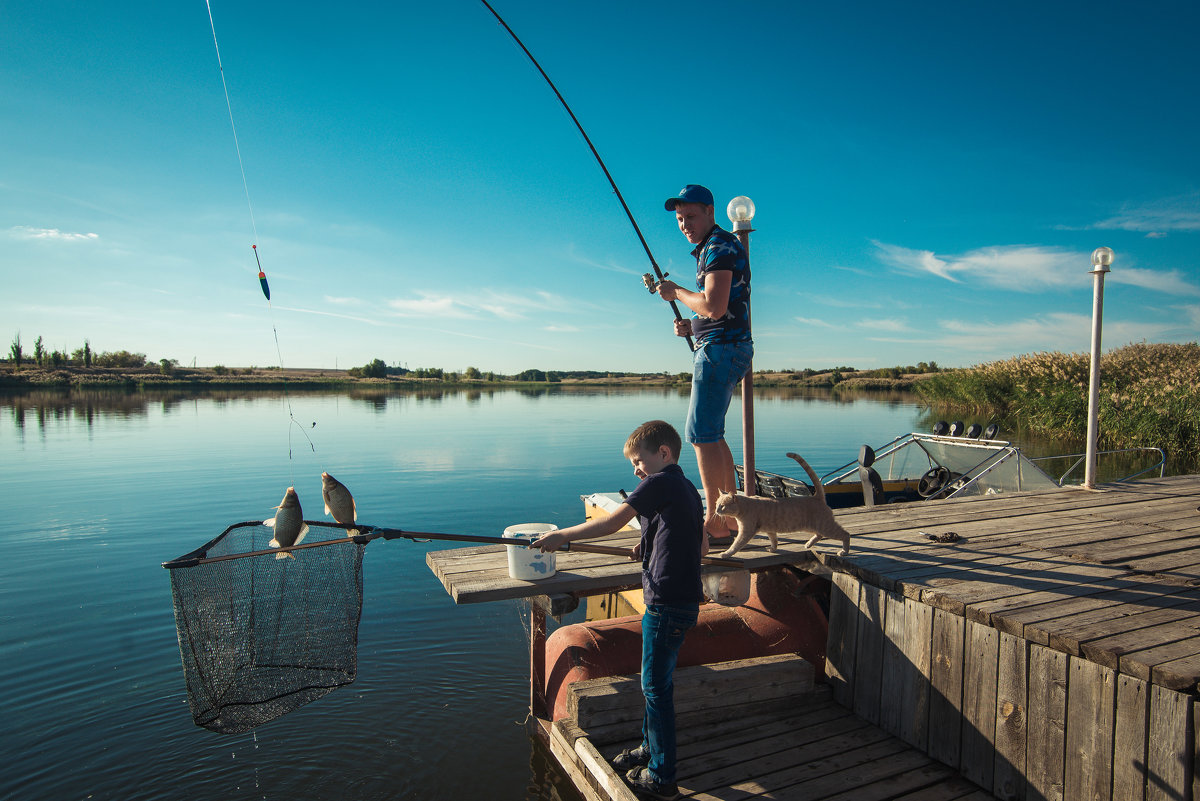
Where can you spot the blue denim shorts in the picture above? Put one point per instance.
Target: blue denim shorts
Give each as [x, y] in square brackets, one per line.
[717, 369]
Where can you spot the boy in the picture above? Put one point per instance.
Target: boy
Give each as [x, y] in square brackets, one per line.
[672, 519]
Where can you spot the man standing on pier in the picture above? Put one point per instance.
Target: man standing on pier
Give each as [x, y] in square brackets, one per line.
[721, 328]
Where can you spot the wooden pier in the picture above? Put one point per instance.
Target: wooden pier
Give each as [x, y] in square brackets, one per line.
[1024, 646]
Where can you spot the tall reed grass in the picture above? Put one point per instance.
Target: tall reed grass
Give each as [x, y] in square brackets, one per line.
[1149, 395]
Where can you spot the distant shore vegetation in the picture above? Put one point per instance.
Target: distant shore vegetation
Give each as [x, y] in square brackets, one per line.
[87, 367]
[1149, 393]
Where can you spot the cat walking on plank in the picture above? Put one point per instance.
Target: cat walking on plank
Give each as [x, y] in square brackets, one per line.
[774, 516]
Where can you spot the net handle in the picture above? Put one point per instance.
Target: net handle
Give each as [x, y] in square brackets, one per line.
[367, 533]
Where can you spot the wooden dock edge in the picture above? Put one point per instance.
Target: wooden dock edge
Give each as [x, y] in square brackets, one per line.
[1021, 720]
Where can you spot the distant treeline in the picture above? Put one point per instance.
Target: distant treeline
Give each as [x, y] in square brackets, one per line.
[82, 356]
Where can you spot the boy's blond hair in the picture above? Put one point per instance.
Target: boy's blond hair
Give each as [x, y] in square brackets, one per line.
[650, 436]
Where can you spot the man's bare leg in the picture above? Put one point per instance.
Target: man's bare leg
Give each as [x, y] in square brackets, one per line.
[715, 462]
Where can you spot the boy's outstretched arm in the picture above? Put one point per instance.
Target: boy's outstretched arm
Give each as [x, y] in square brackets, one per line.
[596, 527]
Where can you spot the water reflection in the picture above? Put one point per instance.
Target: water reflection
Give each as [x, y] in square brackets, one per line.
[56, 407]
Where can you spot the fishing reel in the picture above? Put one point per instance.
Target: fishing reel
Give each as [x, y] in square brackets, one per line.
[651, 282]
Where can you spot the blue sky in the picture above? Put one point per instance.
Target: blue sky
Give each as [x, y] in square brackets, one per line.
[930, 178]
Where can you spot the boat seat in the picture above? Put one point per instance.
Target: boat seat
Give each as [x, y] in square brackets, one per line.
[773, 485]
[872, 484]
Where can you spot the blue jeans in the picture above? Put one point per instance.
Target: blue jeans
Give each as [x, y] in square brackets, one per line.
[716, 371]
[663, 630]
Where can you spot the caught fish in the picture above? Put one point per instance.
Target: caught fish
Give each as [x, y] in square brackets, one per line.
[288, 523]
[338, 502]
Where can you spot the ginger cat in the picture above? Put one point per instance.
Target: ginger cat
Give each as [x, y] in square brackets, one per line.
[774, 516]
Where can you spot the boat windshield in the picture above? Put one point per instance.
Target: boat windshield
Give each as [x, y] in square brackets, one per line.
[972, 466]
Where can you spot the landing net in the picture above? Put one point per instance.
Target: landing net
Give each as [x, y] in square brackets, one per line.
[261, 636]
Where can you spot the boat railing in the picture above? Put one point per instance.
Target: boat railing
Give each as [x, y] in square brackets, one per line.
[1160, 465]
[883, 454]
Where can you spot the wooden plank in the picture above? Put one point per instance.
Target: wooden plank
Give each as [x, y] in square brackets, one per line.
[1144, 664]
[921, 777]
[868, 653]
[1075, 634]
[1091, 710]
[918, 652]
[1132, 729]
[897, 673]
[1111, 651]
[1124, 588]
[1132, 596]
[1047, 724]
[597, 702]
[843, 636]
[946, 684]
[612, 785]
[806, 758]
[1170, 747]
[1008, 781]
[978, 751]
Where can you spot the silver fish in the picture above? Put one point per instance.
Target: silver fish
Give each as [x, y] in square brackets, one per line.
[338, 502]
[288, 523]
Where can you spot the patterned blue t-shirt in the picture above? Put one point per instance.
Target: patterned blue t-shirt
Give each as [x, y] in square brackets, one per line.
[721, 250]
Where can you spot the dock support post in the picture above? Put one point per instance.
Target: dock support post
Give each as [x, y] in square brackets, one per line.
[537, 661]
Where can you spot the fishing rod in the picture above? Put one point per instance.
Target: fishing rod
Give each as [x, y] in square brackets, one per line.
[649, 282]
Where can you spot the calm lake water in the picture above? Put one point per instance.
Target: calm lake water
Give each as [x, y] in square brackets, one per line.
[101, 488]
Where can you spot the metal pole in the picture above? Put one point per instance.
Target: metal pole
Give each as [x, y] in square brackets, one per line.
[751, 484]
[1101, 259]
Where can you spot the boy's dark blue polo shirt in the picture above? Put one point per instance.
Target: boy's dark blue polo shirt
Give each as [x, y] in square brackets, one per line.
[672, 520]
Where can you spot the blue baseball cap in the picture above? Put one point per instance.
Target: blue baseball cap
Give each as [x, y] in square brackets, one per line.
[692, 193]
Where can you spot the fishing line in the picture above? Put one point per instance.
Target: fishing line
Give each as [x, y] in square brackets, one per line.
[262, 276]
[661, 275]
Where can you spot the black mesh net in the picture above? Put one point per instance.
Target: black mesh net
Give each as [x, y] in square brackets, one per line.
[261, 636]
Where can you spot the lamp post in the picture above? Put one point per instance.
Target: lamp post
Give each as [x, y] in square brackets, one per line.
[1101, 259]
[741, 214]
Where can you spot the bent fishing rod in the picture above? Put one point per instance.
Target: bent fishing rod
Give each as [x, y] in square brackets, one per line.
[661, 276]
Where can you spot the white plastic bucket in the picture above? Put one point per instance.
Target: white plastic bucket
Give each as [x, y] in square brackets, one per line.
[529, 564]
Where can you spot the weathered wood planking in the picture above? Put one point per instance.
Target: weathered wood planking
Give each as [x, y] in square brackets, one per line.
[980, 690]
[843, 619]
[1046, 737]
[1132, 729]
[1091, 693]
[1012, 667]
[1170, 751]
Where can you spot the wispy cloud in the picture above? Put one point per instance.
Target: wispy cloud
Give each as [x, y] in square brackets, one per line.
[429, 305]
[814, 321]
[1180, 213]
[1192, 311]
[1058, 331]
[25, 232]
[1016, 267]
[501, 305]
[888, 324]
[1170, 281]
[320, 313]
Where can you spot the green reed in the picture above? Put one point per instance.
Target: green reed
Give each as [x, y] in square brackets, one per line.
[1149, 395]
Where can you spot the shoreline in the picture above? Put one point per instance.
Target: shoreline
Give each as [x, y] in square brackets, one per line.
[276, 379]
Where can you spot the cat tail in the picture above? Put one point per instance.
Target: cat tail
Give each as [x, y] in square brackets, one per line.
[818, 490]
